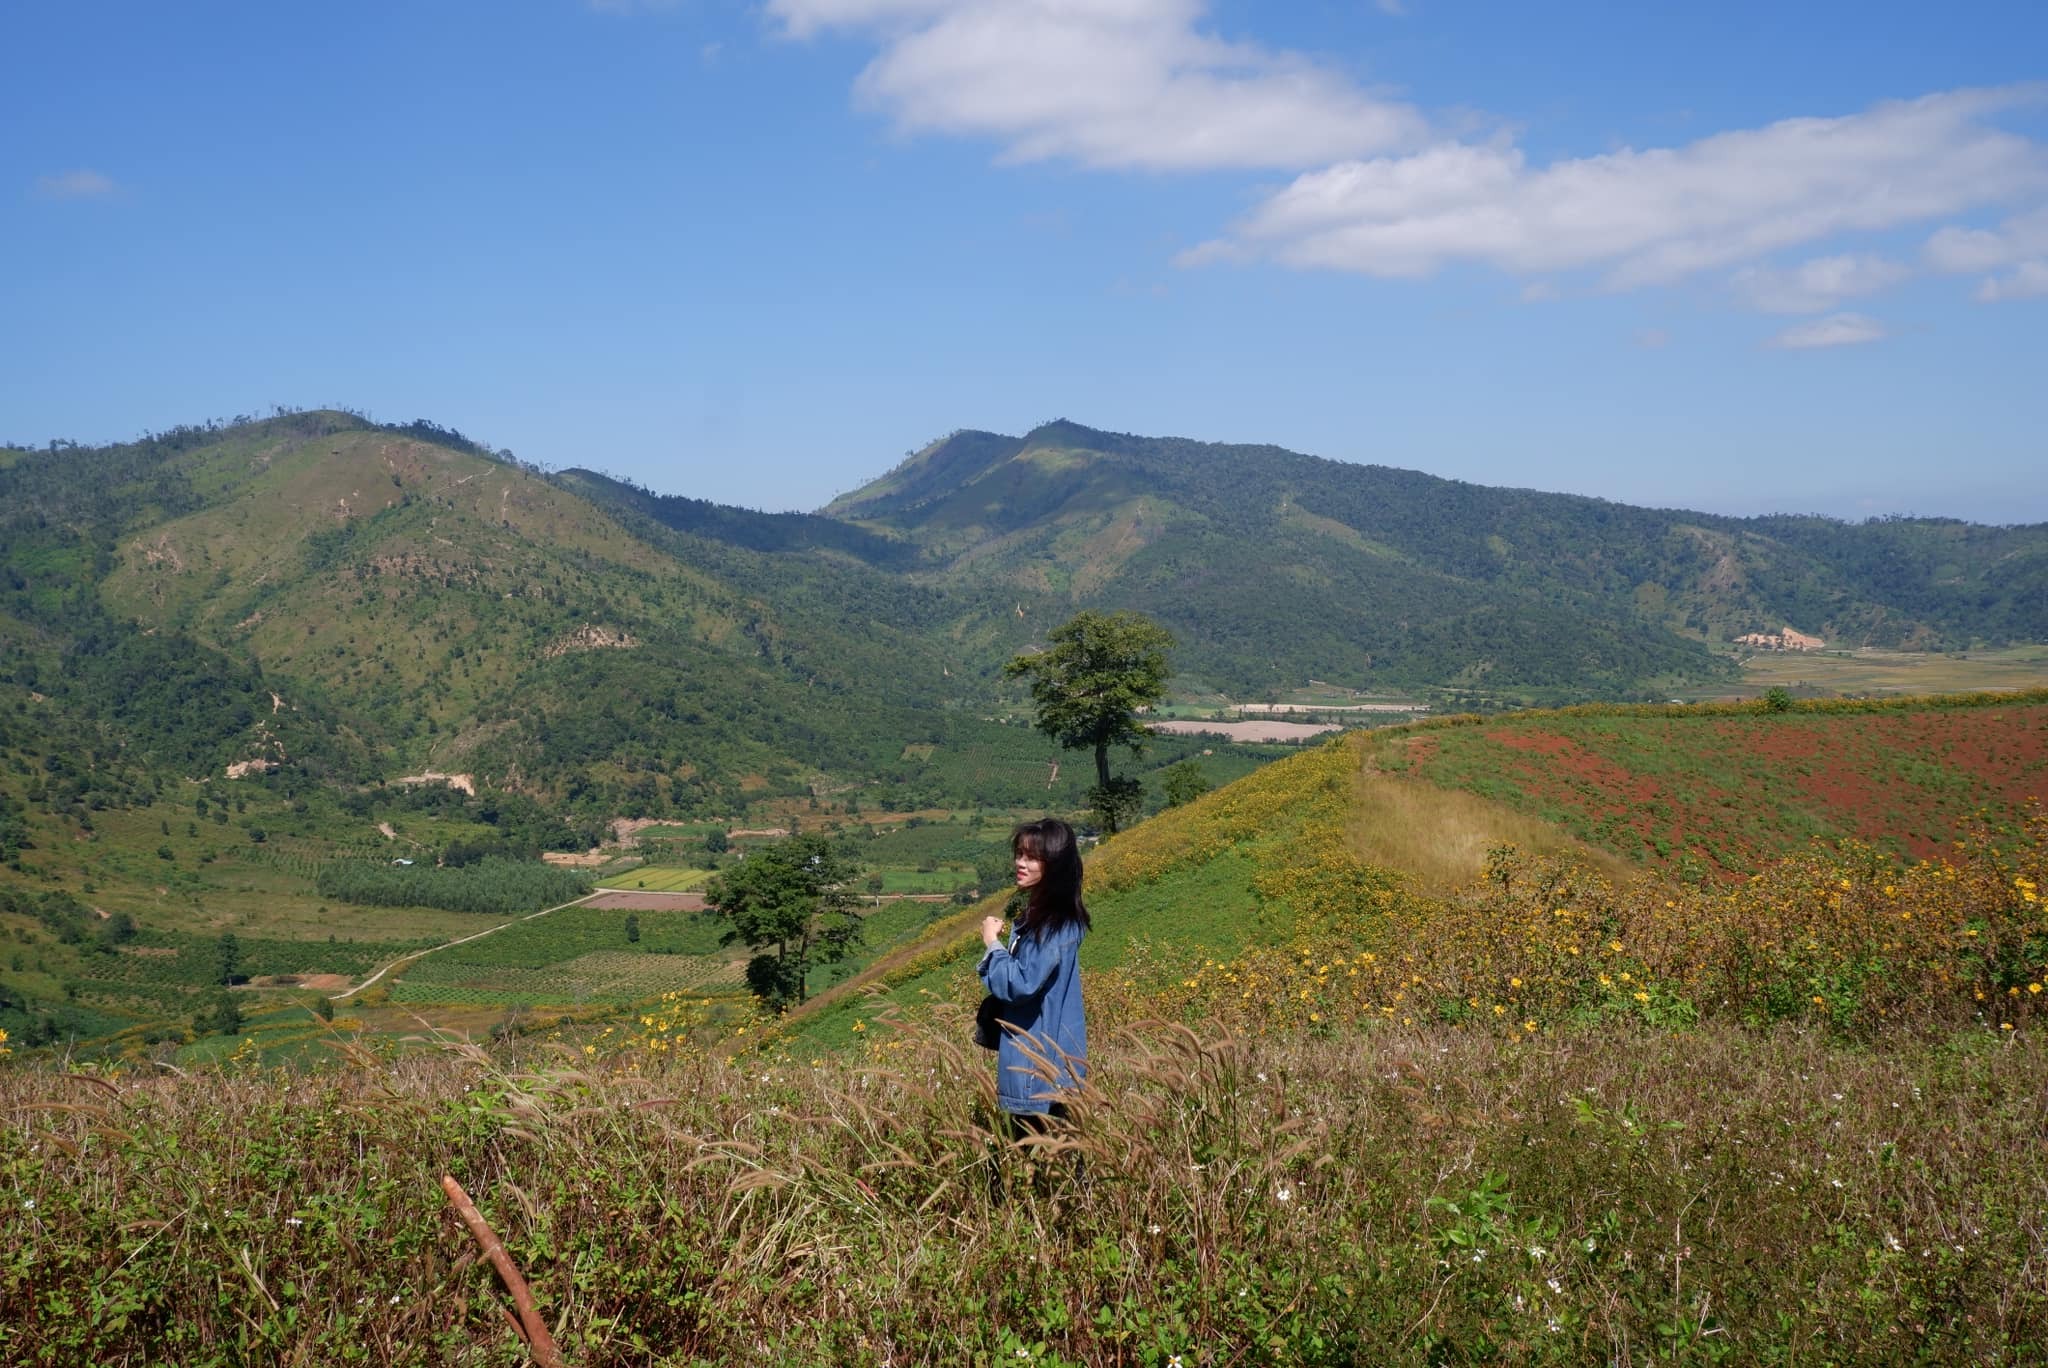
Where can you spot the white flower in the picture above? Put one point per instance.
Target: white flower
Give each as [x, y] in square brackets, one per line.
[1553, 1326]
[1154, 1230]
[1891, 1242]
[1538, 1253]
[1554, 1285]
[394, 1299]
[1260, 1077]
[293, 1221]
[1834, 1182]
[1284, 1193]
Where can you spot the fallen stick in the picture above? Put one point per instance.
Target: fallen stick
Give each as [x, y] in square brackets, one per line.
[529, 1324]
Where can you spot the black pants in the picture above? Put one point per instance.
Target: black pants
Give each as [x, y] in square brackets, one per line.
[1022, 1125]
[1034, 1123]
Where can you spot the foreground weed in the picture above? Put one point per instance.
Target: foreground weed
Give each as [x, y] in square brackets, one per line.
[1422, 1195]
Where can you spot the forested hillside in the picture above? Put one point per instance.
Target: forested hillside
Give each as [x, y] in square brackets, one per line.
[351, 602]
[1273, 566]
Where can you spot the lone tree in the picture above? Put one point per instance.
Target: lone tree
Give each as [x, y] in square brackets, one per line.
[790, 901]
[1184, 783]
[1089, 684]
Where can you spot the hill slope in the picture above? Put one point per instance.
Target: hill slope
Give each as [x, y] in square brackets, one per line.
[1274, 567]
[1320, 844]
[373, 602]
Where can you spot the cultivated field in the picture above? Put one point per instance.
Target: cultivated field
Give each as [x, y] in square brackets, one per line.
[657, 879]
[1871, 672]
[1706, 791]
[1247, 731]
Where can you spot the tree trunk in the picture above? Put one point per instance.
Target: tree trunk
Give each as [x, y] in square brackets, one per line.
[1102, 763]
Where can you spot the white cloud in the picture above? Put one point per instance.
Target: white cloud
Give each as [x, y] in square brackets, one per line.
[1979, 249]
[1836, 330]
[1657, 215]
[1653, 339]
[1816, 286]
[1106, 83]
[1541, 292]
[1140, 84]
[2030, 281]
[79, 184]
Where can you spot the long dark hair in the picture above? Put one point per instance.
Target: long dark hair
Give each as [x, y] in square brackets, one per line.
[1056, 900]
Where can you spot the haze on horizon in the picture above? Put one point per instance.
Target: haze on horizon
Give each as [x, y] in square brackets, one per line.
[1752, 259]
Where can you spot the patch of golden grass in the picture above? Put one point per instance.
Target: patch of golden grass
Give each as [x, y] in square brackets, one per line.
[1440, 837]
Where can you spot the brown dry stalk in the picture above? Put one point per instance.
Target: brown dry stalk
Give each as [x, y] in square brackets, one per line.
[533, 1330]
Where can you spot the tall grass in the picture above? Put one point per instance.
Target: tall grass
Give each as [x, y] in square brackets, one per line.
[1393, 1196]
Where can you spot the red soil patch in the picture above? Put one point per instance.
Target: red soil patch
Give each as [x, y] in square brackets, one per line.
[1864, 776]
[1731, 790]
[326, 983]
[1569, 774]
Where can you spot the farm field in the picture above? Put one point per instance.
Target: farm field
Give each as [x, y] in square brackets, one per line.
[572, 956]
[1703, 791]
[944, 879]
[659, 879]
[1874, 672]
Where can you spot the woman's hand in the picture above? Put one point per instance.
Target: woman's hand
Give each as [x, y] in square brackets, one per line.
[991, 931]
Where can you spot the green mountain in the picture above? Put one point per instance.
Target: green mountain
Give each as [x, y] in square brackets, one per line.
[225, 650]
[347, 602]
[1273, 567]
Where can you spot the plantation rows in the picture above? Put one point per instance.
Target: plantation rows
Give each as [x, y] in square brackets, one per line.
[297, 855]
[197, 960]
[661, 880]
[492, 885]
[603, 976]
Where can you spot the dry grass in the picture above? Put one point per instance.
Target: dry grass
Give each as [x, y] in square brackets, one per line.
[1441, 837]
[1397, 1196]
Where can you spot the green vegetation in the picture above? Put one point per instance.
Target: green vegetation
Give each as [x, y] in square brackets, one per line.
[1090, 684]
[577, 956]
[661, 880]
[248, 662]
[1548, 1113]
[1406, 1197]
[793, 896]
[492, 885]
[1272, 568]
[1720, 790]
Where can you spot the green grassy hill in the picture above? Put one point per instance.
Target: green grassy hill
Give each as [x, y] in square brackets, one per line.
[1382, 1071]
[1319, 847]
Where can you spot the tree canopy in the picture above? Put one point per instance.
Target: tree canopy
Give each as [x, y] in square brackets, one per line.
[1090, 684]
[791, 901]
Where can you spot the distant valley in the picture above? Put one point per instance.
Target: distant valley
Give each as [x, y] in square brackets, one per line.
[238, 663]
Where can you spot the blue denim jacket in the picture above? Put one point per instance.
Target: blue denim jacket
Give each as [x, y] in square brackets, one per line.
[1038, 982]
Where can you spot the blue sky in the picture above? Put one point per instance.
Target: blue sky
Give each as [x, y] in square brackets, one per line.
[1740, 257]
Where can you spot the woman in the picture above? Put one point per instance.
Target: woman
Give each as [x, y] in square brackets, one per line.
[1036, 979]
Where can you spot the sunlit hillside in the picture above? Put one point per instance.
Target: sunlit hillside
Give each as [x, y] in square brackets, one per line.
[1366, 840]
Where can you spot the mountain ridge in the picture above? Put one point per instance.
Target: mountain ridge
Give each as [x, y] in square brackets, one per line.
[1680, 579]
